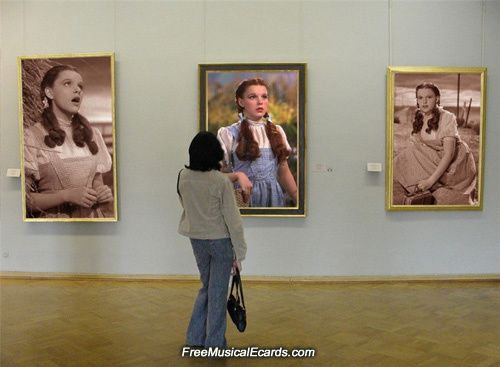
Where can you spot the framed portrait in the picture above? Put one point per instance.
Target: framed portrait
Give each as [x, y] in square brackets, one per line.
[67, 125]
[435, 138]
[258, 113]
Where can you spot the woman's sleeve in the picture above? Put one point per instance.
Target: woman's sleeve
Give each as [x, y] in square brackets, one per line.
[232, 217]
[30, 155]
[448, 126]
[226, 139]
[282, 132]
[103, 157]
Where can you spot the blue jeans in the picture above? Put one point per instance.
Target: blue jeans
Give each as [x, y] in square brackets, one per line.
[214, 259]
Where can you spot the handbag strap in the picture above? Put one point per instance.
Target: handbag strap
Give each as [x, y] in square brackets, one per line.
[178, 178]
[239, 287]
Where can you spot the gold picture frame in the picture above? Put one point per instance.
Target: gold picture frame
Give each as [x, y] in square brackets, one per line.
[287, 105]
[417, 143]
[67, 134]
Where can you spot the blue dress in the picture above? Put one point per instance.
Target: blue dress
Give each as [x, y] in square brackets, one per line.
[262, 172]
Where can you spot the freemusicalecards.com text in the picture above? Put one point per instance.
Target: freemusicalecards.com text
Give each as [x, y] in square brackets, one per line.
[249, 352]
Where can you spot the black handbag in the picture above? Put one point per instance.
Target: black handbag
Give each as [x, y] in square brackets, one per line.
[422, 198]
[236, 303]
[418, 197]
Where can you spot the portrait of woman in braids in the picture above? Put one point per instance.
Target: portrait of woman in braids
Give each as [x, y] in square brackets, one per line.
[256, 149]
[65, 157]
[437, 160]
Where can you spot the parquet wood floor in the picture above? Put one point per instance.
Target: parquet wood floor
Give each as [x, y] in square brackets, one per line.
[92, 323]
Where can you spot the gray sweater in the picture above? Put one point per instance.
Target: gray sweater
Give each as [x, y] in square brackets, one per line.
[210, 209]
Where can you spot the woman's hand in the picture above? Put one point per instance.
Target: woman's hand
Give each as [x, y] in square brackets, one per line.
[81, 196]
[245, 184]
[424, 185]
[236, 265]
[104, 194]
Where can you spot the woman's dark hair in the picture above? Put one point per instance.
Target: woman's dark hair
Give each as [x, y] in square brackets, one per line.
[433, 123]
[248, 148]
[205, 152]
[82, 131]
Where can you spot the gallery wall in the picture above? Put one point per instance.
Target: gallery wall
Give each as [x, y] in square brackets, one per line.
[347, 46]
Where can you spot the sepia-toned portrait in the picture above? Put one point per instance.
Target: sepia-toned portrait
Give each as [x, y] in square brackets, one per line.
[67, 133]
[435, 130]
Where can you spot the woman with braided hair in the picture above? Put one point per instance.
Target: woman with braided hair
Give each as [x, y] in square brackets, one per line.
[437, 160]
[64, 155]
[256, 150]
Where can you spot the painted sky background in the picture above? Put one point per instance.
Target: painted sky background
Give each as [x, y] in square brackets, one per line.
[231, 79]
[231, 76]
[470, 87]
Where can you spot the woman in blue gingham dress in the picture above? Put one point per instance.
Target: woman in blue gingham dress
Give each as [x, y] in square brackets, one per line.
[256, 150]
[262, 172]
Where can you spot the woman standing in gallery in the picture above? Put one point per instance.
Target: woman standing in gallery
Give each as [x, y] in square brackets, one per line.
[64, 156]
[437, 159]
[256, 149]
[212, 221]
